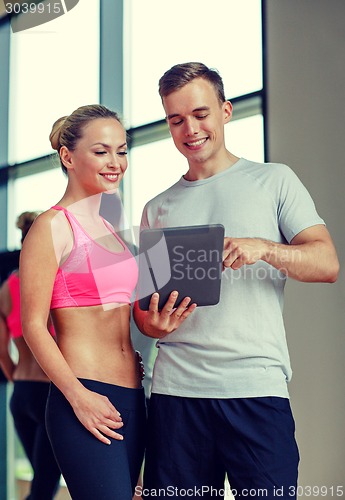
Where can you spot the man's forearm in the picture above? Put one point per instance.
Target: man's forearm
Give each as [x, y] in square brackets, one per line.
[310, 256]
[314, 261]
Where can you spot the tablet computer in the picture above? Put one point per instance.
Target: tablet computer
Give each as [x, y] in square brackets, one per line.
[187, 259]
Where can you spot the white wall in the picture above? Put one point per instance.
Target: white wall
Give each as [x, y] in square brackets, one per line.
[306, 130]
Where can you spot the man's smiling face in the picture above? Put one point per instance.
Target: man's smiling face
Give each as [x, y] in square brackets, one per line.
[196, 121]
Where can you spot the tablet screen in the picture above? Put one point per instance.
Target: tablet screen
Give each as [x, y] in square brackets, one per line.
[187, 259]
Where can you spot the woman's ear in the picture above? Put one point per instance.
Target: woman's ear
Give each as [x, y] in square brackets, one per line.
[66, 157]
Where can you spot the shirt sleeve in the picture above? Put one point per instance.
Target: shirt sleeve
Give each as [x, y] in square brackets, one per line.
[296, 209]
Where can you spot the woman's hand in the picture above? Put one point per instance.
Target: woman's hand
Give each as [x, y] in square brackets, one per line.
[158, 324]
[98, 415]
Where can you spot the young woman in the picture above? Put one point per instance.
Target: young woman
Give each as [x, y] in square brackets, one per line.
[30, 385]
[75, 267]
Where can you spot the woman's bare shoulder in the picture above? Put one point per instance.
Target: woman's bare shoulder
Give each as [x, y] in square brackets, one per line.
[47, 236]
[49, 222]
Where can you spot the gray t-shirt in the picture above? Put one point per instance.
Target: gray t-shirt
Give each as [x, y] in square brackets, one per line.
[236, 348]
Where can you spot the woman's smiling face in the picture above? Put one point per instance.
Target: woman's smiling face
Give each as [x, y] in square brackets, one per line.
[99, 160]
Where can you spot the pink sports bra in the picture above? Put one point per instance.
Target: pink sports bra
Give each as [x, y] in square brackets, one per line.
[93, 275]
[13, 319]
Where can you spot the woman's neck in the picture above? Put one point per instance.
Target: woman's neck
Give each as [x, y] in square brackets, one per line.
[88, 206]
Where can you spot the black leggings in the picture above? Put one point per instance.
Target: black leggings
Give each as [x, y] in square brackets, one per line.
[92, 469]
[27, 405]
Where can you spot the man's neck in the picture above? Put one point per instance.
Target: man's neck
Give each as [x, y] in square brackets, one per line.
[198, 171]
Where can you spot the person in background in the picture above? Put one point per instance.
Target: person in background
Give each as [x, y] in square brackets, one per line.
[30, 385]
[74, 266]
[220, 401]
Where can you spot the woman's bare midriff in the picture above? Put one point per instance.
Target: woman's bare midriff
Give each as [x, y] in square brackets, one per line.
[95, 341]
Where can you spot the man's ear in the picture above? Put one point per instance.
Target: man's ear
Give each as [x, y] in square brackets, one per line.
[66, 157]
[227, 109]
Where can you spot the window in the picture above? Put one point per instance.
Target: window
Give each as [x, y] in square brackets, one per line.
[152, 168]
[225, 36]
[54, 68]
[36, 192]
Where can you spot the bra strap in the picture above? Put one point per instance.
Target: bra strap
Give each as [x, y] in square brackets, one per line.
[58, 207]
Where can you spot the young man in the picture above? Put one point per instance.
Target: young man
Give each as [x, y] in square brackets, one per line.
[219, 401]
